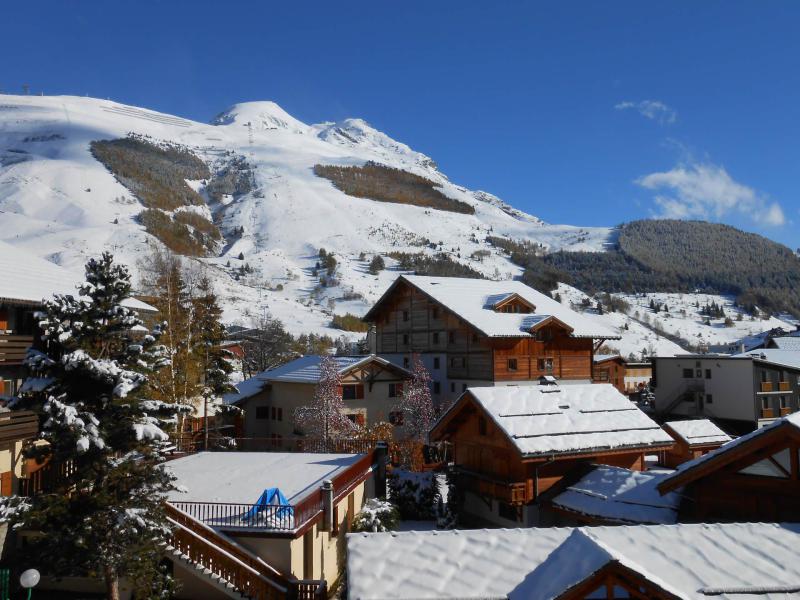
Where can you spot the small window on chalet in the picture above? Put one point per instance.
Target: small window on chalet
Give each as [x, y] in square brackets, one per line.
[352, 392]
[543, 335]
[262, 412]
[405, 362]
[435, 313]
[405, 315]
[512, 364]
[782, 376]
[709, 399]
[437, 387]
[763, 376]
[482, 428]
[451, 337]
[396, 417]
[356, 418]
[708, 373]
[395, 390]
[688, 374]
[784, 402]
[545, 364]
[435, 337]
[405, 339]
[436, 363]
[699, 373]
[765, 402]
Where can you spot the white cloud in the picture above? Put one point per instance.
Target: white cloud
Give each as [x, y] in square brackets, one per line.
[706, 191]
[654, 110]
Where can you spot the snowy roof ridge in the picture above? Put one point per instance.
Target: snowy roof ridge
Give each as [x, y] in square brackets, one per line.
[792, 420]
[577, 418]
[473, 301]
[686, 560]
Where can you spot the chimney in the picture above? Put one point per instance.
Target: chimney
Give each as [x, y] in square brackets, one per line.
[327, 505]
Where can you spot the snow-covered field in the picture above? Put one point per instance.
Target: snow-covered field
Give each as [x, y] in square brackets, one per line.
[59, 203]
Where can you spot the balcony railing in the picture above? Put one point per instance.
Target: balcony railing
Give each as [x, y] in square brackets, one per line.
[516, 493]
[13, 348]
[17, 425]
[766, 386]
[786, 411]
[285, 517]
[785, 386]
[767, 413]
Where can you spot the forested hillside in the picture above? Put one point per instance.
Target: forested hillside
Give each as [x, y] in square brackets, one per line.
[675, 256]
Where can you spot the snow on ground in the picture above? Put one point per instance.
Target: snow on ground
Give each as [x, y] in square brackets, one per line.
[639, 327]
[60, 203]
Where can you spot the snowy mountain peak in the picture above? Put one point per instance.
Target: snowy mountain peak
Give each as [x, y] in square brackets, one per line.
[261, 115]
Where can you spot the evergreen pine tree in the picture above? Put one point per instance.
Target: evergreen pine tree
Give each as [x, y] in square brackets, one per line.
[103, 516]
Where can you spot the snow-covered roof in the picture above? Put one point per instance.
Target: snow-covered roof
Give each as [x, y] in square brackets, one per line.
[789, 342]
[305, 369]
[691, 561]
[696, 432]
[786, 358]
[579, 418]
[618, 495]
[473, 300]
[598, 358]
[241, 477]
[28, 278]
[792, 420]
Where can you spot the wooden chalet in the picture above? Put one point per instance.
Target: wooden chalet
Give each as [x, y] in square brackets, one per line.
[610, 369]
[371, 388]
[474, 332]
[643, 562]
[753, 478]
[15, 428]
[693, 438]
[512, 444]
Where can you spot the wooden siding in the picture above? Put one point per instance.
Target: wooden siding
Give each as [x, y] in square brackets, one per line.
[409, 321]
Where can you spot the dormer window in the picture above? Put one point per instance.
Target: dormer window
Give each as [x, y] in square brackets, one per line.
[513, 303]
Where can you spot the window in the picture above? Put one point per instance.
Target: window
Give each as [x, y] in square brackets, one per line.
[453, 362]
[436, 363]
[687, 373]
[482, 426]
[435, 313]
[708, 373]
[543, 335]
[512, 364]
[435, 337]
[405, 362]
[405, 315]
[709, 399]
[405, 339]
[451, 337]
[782, 376]
[699, 373]
[507, 511]
[545, 364]
[784, 402]
[262, 412]
[352, 392]
[396, 417]
[765, 402]
[356, 418]
[763, 376]
[437, 388]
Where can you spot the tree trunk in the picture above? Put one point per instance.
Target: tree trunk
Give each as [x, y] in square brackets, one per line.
[112, 582]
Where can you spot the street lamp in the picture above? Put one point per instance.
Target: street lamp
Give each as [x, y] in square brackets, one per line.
[29, 579]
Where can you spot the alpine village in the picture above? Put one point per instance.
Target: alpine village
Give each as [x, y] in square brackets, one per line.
[255, 358]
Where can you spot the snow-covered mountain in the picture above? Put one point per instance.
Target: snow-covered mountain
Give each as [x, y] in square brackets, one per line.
[59, 202]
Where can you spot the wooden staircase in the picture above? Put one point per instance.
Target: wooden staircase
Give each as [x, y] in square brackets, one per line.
[231, 568]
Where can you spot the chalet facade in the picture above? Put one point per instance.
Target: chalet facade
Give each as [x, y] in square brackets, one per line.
[609, 369]
[693, 438]
[15, 428]
[753, 478]
[474, 332]
[655, 562]
[742, 392]
[25, 280]
[371, 388]
[513, 444]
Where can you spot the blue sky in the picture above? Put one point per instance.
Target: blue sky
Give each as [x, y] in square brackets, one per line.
[587, 113]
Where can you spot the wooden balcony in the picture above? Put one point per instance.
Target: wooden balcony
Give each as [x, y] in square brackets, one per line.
[786, 411]
[18, 425]
[13, 348]
[768, 413]
[785, 386]
[516, 493]
[766, 386]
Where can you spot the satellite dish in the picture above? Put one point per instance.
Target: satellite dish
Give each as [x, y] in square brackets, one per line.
[29, 578]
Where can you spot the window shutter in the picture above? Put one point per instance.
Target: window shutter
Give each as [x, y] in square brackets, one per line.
[360, 391]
